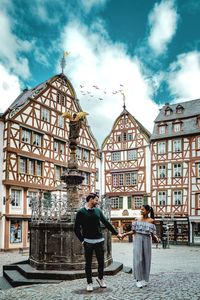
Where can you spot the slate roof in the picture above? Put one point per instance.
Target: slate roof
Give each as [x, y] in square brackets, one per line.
[191, 110]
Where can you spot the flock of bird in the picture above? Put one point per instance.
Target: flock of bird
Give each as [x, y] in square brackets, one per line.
[91, 94]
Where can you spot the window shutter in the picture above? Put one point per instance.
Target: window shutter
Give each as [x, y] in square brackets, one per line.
[145, 200]
[129, 202]
[120, 202]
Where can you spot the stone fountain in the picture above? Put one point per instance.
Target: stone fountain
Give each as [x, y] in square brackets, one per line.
[55, 252]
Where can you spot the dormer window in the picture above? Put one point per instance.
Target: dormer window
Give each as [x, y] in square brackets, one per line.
[177, 126]
[168, 111]
[179, 109]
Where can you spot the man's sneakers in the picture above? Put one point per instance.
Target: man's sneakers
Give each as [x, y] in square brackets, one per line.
[144, 283]
[139, 284]
[89, 287]
[101, 283]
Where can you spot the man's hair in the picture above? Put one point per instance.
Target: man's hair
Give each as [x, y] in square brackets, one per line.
[91, 196]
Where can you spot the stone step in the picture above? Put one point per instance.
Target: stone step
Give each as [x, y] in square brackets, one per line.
[17, 279]
[4, 284]
[29, 272]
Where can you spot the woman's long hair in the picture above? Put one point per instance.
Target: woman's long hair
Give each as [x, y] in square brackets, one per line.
[150, 210]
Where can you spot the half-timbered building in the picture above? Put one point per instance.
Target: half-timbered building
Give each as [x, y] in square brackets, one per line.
[126, 169]
[175, 159]
[35, 153]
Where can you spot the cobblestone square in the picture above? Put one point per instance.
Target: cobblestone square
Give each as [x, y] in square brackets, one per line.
[175, 274]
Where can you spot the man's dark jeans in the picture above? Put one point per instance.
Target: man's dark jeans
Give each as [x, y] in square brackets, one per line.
[99, 251]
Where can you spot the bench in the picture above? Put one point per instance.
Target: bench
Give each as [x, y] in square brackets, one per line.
[23, 250]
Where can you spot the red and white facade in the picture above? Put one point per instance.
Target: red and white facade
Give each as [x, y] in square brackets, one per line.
[34, 154]
[126, 169]
[175, 161]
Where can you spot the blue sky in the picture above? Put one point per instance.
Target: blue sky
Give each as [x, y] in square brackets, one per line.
[149, 50]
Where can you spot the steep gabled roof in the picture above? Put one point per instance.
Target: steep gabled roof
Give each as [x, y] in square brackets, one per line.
[190, 108]
[134, 120]
[26, 95]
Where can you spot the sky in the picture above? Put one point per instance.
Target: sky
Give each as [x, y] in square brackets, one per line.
[144, 51]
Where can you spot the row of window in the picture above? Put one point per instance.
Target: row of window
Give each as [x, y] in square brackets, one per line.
[35, 167]
[177, 170]
[176, 146]
[132, 202]
[45, 116]
[128, 155]
[35, 139]
[137, 201]
[124, 179]
[124, 136]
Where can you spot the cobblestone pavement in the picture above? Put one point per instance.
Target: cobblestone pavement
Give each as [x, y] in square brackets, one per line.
[175, 275]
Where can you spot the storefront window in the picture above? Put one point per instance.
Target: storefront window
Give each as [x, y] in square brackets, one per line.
[15, 231]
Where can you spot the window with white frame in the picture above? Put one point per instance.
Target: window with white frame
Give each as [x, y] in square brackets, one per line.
[177, 170]
[198, 143]
[60, 121]
[162, 171]
[39, 168]
[115, 180]
[37, 139]
[134, 178]
[168, 112]
[22, 165]
[59, 147]
[132, 154]
[26, 136]
[130, 136]
[45, 114]
[117, 202]
[161, 147]
[86, 155]
[15, 198]
[57, 172]
[198, 169]
[177, 145]
[31, 167]
[116, 156]
[86, 180]
[121, 179]
[138, 201]
[78, 153]
[162, 129]
[162, 198]
[32, 196]
[178, 197]
[177, 127]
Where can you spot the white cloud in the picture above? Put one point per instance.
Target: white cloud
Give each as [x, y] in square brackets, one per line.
[12, 47]
[163, 24]
[184, 76]
[89, 4]
[9, 88]
[95, 60]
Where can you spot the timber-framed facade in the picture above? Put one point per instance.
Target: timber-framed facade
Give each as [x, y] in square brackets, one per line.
[175, 160]
[35, 154]
[126, 169]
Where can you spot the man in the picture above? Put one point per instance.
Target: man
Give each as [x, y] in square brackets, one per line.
[88, 230]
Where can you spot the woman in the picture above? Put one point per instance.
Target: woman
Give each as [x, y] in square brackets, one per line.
[144, 230]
